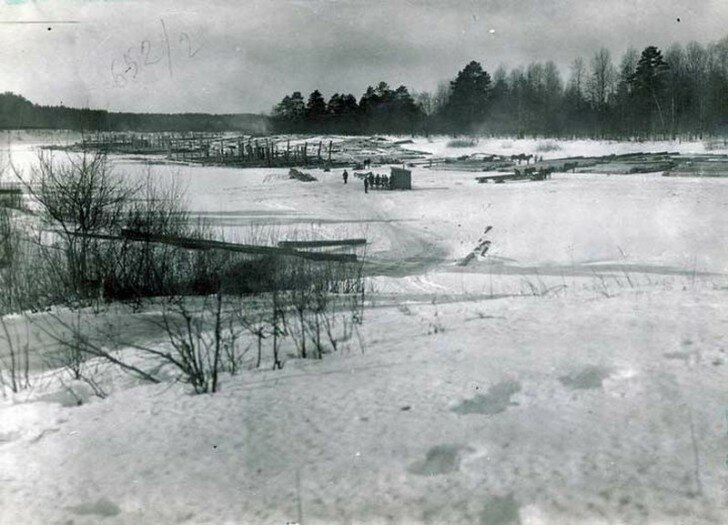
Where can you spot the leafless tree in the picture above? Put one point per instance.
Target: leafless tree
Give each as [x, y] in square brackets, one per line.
[600, 83]
[432, 103]
[578, 75]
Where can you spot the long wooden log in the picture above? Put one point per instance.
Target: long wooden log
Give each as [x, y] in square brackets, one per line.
[322, 243]
[203, 244]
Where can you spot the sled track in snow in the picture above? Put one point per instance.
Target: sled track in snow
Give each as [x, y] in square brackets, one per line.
[412, 252]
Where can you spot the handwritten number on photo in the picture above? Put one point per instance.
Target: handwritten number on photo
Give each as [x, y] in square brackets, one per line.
[138, 58]
[184, 37]
[119, 78]
[131, 64]
[146, 50]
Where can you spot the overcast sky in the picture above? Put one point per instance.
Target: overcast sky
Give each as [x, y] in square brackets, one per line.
[243, 56]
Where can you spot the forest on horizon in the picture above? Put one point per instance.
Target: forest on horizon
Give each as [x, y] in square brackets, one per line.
[682, 91]
[16, 112]
[653, 93]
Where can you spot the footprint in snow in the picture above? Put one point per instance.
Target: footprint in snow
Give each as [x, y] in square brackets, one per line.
[500, 510]
[7, 437]
[587, 378]
[440, 459]
[102, 507]
[495, 401]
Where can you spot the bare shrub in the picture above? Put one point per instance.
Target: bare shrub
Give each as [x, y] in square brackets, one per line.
[71, 355]
[23, 279]
[322, 297]
[74, 338]
[259, 323]
[15, 366]
[197, 338]
[11, 256]
[202, 340]
[87, 212]
[9, 248]
[278, 323]
[142, 268]
[11, 196]
[101, 244]
[205, 336]
[80, 200]
[299, 298]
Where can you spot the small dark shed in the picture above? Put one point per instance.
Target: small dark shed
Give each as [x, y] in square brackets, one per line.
[400, 179]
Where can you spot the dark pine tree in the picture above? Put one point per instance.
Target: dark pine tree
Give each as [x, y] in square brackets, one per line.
[316, 109]
[334, 107]
[406, 114]
[648, 86]
[469, 96]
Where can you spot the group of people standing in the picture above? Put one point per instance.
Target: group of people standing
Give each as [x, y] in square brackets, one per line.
[371, 181]
[375, 181]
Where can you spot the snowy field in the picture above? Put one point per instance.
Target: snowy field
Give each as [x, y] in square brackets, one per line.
[575, 374]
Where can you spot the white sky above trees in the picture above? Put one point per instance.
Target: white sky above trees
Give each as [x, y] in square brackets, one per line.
[244, 56]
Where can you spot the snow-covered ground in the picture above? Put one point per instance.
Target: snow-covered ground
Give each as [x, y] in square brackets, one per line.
[574, 219]
[575, 374]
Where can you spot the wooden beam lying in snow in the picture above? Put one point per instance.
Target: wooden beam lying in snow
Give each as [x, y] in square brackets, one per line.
[322, 243]
[203, 244]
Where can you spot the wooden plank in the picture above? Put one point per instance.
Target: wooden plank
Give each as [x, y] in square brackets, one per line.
[513, 176]
[202, 244]
[322, 243]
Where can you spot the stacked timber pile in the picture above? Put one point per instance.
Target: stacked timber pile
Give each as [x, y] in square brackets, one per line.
[669, 164]
[376, 150]
[232, 149]
[532, 174]
[476, 162]
[701, 166]
[630, 163]
[299, 175]
[138, 143]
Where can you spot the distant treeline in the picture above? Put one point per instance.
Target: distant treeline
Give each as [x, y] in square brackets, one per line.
[683, 91]
[16, 112]
[380, 109]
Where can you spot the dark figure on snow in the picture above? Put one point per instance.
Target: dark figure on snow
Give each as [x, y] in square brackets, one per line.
[377, 180]
[366, 184]
[346, 176]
